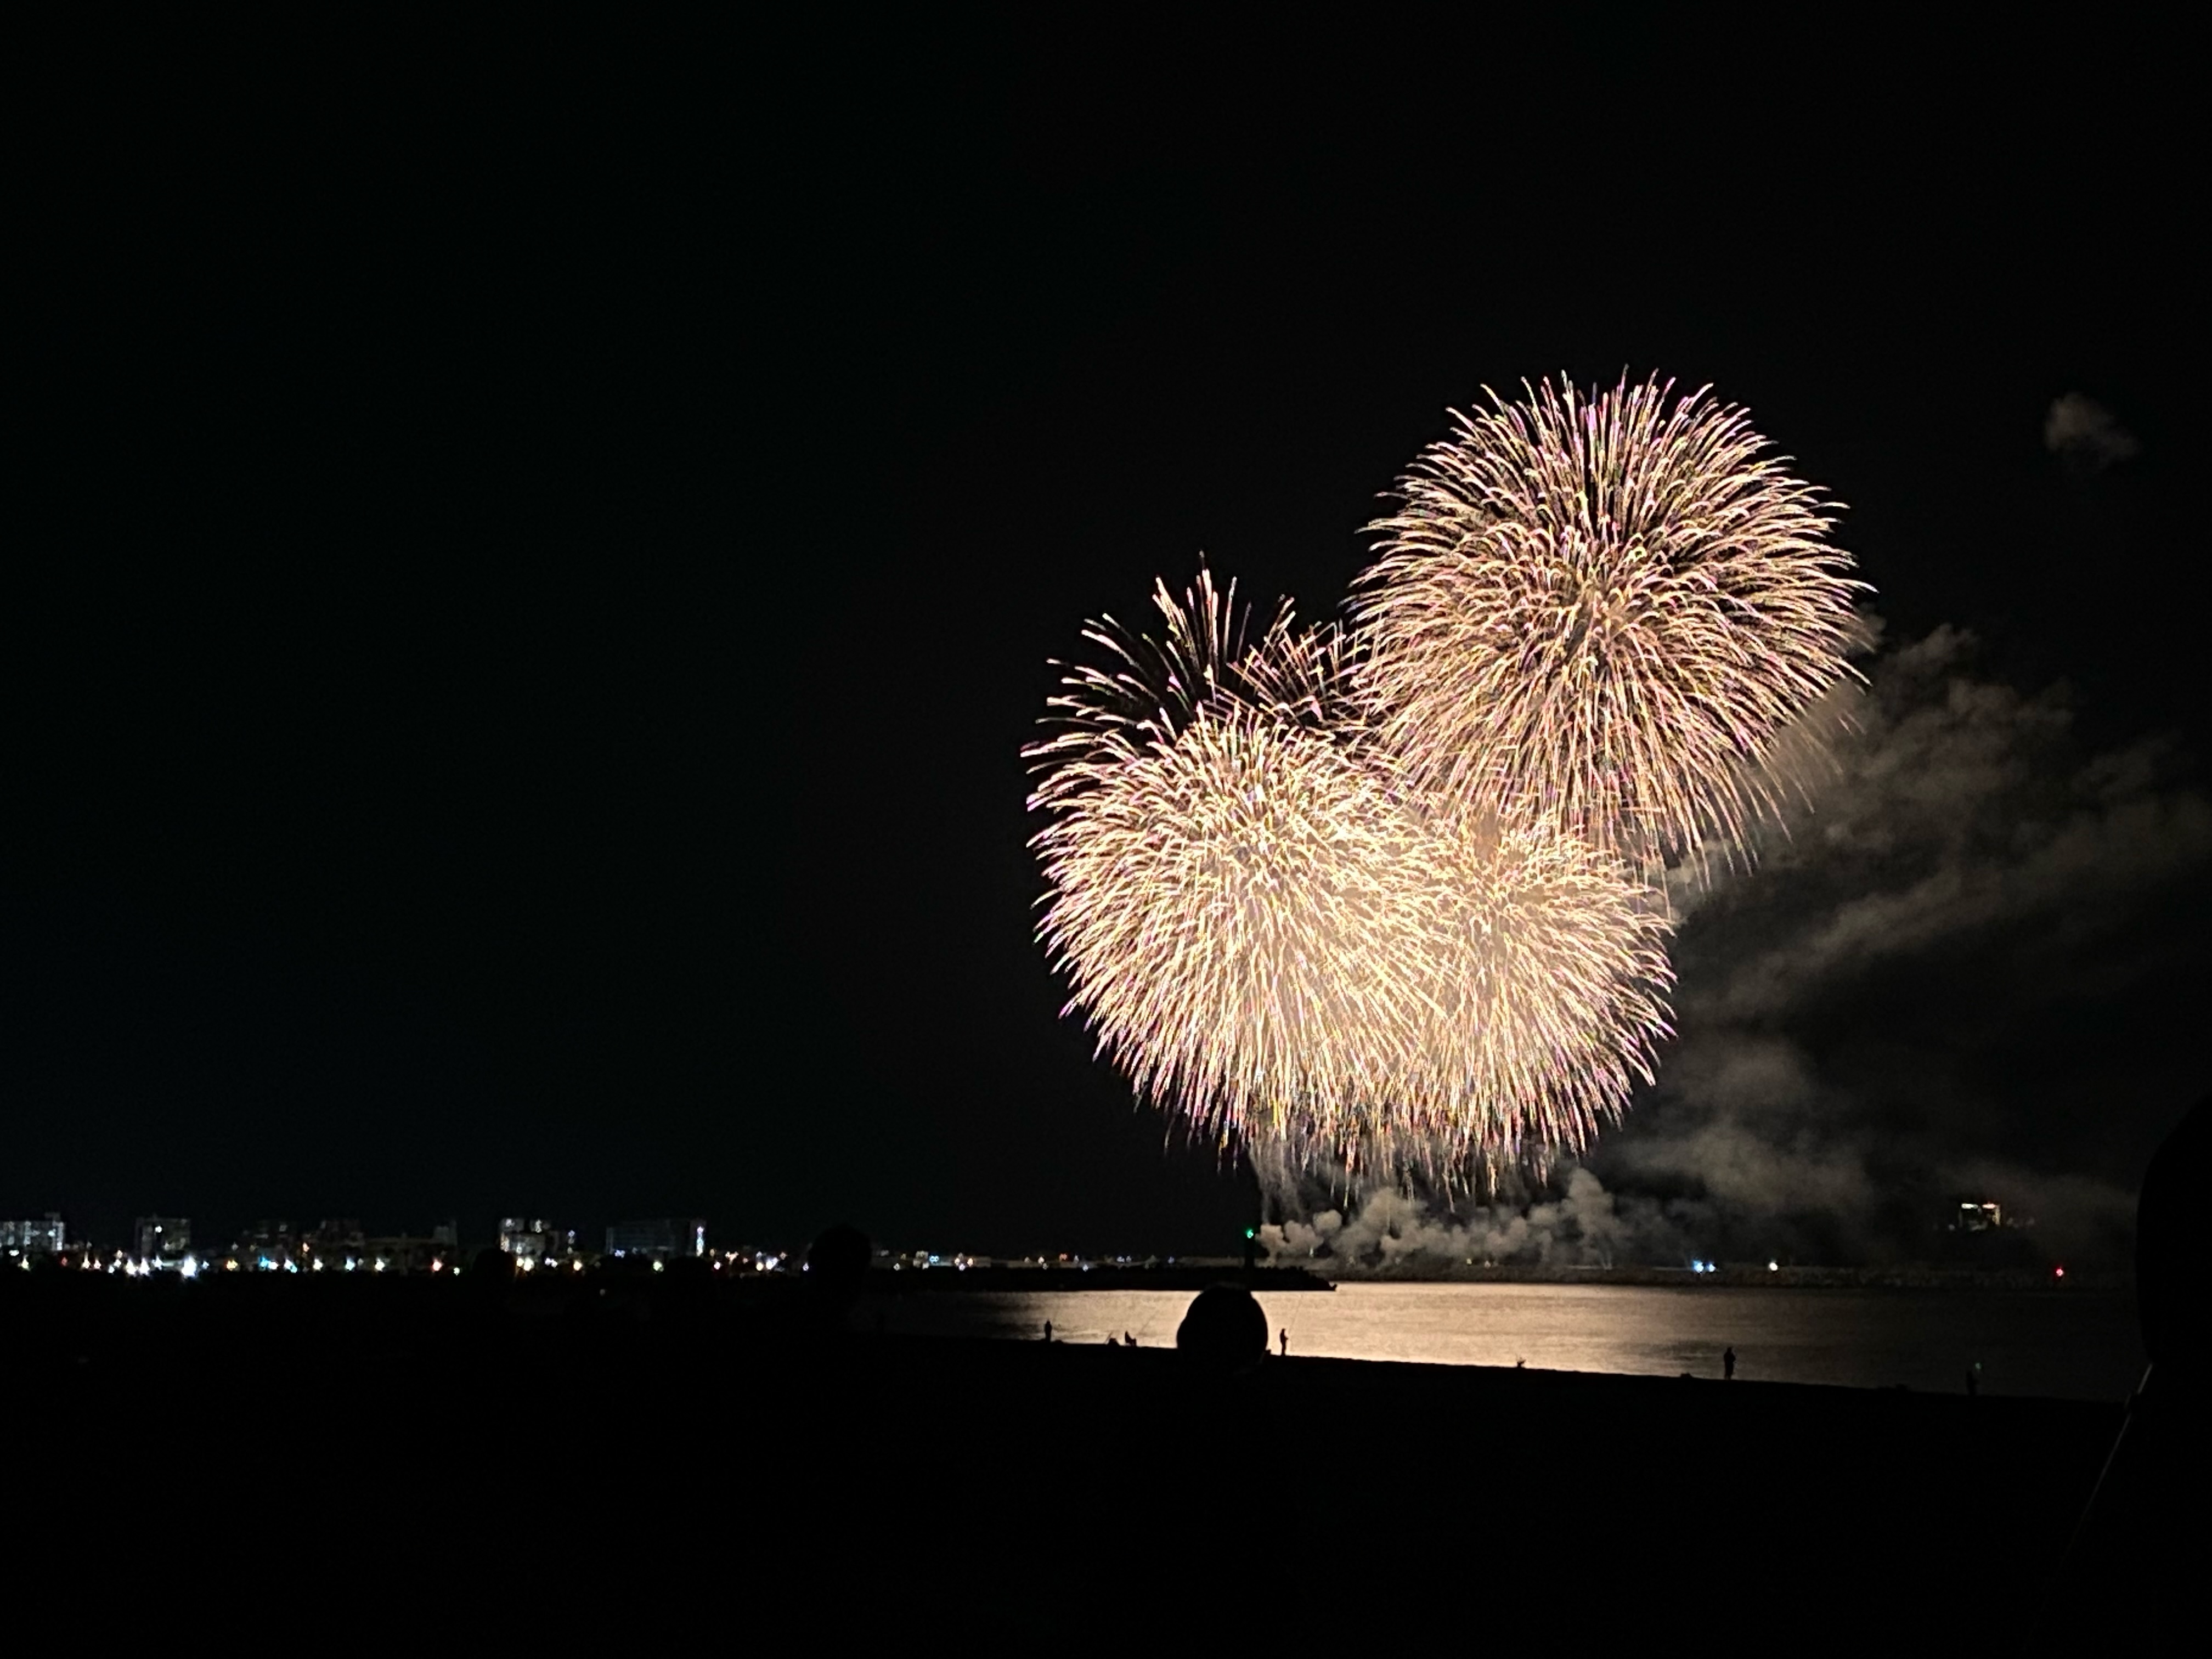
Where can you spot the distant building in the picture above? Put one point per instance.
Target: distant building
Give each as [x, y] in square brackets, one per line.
[25, 1239]
[665, 1236]
[267, 1246]
[160, 1238]
[403, 1255]
[1978, 1215]
[527, 1242]
[904, 1260]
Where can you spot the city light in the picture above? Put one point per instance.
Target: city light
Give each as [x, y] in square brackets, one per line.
[276, 1248]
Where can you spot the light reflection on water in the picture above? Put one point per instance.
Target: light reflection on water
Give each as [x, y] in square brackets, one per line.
[2066, 1344]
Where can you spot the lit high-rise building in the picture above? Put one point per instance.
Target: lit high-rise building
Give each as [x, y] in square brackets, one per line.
[24, 1239]
[528, 1242]
[160, 1238]
[269, 1246]
[664, 1236]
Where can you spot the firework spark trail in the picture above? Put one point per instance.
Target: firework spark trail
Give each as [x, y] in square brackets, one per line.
[1547, 970]
[1276, 941]
[1606, 608]
[1220, 867]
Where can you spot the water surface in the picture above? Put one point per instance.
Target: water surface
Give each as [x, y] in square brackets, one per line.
[2060, 1343]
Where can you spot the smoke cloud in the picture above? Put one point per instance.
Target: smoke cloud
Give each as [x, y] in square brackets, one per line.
[1394, 1232]
[2085, 436]
[1971, 967]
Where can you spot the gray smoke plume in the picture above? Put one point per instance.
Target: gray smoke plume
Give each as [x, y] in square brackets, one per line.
[2085, 436]
[1972, 967]
[1391, 1230]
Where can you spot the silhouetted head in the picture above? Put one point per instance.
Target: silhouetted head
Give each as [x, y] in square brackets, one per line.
[684, 1288]
[690, 1273]
[837, 1267]
[490, 1276]
[2173, 1295]
[1225, 1326]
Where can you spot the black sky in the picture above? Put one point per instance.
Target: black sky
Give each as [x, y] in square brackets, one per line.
[531, 557]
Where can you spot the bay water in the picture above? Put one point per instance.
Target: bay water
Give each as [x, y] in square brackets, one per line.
[2057, 1343]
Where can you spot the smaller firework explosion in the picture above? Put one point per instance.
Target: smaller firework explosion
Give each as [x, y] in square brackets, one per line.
[1279, 944]
[1606, 609]
[1545, 996]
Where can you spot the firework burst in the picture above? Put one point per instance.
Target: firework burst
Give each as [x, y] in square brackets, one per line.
[1220, 870]
[1282, 945]
[1545, 997]
[1608, 609]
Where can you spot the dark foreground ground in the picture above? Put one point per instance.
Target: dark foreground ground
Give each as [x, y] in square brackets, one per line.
[405, 1455]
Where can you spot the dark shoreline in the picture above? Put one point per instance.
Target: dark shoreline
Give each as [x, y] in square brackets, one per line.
[417, 1409]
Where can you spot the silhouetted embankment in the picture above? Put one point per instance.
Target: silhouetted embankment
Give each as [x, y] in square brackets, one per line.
[344, 1428]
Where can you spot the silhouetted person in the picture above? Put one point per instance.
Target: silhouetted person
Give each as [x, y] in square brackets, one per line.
[682, 1292]
[836, 1272]
[1224, 1327]
[1048, 1330]
[490, 1276]
[1283, 1337]
[1728, 1364]
[1129, 1340]
[2173, 1254]
[2140, 1544]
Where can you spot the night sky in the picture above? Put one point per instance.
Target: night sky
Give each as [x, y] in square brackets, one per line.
[530, 559]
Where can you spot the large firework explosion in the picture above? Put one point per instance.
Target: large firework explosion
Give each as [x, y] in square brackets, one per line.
[1609, 608]
[1281, 945]
[1391, 902]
